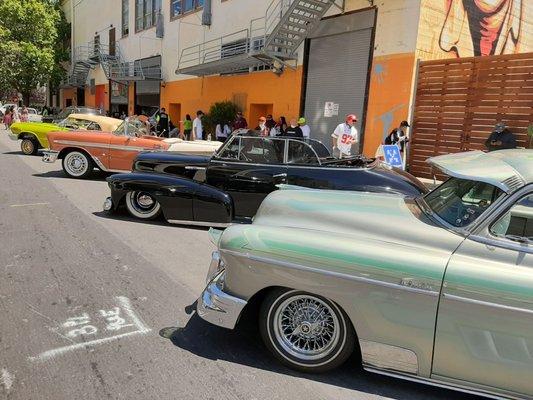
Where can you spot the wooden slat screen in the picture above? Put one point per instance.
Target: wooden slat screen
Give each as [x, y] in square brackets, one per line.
[459, 101]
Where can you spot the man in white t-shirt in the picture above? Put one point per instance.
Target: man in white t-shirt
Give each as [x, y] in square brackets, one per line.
[197, 127]
[345, 136]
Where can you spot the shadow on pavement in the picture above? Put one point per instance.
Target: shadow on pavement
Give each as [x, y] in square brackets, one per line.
[96, 176]
[122, 215]
[20, 153]
[244, 346]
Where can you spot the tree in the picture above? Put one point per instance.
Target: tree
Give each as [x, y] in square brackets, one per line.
[220, 113]
[29, 33]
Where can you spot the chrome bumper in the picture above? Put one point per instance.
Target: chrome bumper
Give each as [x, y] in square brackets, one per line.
[12, 136]
[50, 156]
[216, 306]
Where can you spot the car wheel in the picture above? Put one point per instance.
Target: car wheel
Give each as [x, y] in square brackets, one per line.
[142, 205]
[304, 331]
[29, 146]
[77, 164]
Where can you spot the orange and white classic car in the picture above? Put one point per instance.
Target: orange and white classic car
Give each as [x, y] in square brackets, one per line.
[82, 151]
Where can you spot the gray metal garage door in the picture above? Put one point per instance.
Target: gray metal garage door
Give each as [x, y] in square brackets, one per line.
[337, 72]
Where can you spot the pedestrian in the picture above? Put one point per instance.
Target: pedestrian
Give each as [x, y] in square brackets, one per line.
[123, 115]
[187, 127]
[197, 127]
[174, 131]
[270, 123]
[24, 115]
[281, 126]
[222, 131]
[45, 111]
[293, 130]
[240, 122]
[501, 138]
[163, 125]
[262, 127]
[398, 136]
[15, 114]
[8, 117]
[345, 136]
[306, 130]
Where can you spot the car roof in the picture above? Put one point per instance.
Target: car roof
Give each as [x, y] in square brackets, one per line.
[107, 124]
[508, 170]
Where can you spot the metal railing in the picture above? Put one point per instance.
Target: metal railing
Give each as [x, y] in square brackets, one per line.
[245, 41]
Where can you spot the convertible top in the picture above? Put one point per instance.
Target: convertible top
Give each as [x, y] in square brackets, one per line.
[508, 170]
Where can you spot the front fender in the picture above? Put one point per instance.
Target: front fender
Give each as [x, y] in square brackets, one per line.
[181, 199]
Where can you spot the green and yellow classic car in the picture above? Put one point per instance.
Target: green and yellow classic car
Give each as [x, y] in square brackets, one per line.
[436, 289]
[34, 134]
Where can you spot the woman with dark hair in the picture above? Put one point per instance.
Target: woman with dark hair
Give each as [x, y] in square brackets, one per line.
[281, 126]
[187, 127]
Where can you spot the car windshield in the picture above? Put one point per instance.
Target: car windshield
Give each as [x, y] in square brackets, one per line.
[133, 127]
[74, 123]
[460, 202]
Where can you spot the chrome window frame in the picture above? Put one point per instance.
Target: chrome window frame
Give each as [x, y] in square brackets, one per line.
[482, 233]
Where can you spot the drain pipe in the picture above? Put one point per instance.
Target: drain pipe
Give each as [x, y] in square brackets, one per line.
[207, 14]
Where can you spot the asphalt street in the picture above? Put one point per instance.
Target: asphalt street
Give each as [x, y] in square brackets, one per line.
[100, 307]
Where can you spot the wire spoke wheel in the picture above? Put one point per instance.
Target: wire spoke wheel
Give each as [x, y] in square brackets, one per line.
[305, 331]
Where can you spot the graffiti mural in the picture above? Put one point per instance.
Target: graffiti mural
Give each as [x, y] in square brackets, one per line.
[466, 28]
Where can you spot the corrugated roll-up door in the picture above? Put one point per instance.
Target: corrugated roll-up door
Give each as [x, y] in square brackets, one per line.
[337, 73]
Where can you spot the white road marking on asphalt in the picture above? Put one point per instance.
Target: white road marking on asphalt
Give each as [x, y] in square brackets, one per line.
[29, 205]
[6, 379]
[114, 323]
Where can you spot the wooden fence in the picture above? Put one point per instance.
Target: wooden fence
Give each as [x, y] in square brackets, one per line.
[459, 101]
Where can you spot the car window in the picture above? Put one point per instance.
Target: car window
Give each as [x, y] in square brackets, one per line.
[260, 150]
[301, 153]
[231, 149]
[460, 202]
[93, 126]
[517, 223]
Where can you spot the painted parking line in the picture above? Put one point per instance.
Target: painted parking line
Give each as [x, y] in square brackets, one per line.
[120, 320]
[29, 205]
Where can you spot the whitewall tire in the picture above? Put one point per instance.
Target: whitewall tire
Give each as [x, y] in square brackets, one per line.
[304, 331]
[77, 164]
[142, 205]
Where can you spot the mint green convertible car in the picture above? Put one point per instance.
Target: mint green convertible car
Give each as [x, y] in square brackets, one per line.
[436, 289]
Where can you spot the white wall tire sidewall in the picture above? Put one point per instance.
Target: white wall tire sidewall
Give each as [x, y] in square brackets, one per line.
[69, 158]
[129, 199]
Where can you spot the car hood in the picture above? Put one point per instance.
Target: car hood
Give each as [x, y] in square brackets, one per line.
[381, 217]
[18, 127]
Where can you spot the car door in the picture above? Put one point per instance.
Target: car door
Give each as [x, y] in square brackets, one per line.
[484, 331]
[125, 145]
[248, 169]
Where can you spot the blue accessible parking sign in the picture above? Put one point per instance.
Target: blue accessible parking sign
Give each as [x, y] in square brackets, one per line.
[392, 155]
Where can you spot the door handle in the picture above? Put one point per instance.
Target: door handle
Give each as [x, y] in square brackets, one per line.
[279, 175]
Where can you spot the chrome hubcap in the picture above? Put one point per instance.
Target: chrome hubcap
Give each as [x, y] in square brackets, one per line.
[27, 146]
[143, 202]
[306, 327]
[77, 164]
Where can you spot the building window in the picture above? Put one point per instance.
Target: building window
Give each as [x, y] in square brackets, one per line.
[125, 17]
[146, 13]
[180, 7]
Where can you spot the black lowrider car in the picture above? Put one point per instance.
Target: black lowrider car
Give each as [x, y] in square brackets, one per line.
[230, 185]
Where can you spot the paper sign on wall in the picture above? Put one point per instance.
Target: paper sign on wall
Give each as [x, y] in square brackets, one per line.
[331, 109]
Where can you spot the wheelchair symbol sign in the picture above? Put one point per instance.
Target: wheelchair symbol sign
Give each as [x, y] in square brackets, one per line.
[392, 155]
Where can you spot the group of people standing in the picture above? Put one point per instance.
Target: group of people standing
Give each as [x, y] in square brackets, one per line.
[13, 114]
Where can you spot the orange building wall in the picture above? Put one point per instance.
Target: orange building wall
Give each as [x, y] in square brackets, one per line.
[70, 93]
[389, 97]
[90, 99]
[131, 99]
[254, 93]
[100, 99]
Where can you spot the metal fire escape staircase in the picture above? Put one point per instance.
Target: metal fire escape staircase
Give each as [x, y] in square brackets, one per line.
[89, 56]
[271, 41]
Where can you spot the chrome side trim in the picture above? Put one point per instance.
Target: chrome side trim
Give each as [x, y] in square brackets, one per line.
[199, 223]
[103, 146]
[442, 384]
[385, 356]
[486, 304]
[313, 166]
[195, 168]
[103, 168]
[286, 264]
